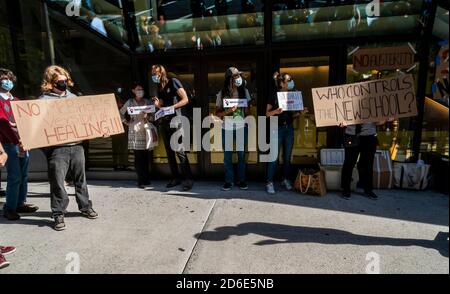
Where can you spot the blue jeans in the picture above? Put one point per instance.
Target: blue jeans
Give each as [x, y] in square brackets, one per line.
[286, 140]
[228, 156]
[17, 180]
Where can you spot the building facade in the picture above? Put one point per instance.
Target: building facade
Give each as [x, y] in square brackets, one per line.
[107, 44]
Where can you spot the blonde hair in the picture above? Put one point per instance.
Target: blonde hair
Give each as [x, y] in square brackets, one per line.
[51, 77]
[164, 77]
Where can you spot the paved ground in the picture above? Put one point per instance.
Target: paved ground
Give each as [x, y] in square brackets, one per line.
[210, 231]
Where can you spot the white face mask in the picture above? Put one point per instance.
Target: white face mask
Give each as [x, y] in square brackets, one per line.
[139, 93]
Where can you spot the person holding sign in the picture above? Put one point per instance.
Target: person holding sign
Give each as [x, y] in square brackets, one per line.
[17, 164]
[172, 97]
[66, 157]
[285, 137]
[137, 138]
[232, 105]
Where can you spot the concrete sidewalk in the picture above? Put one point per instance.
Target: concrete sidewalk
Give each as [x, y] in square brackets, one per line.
[211, 231]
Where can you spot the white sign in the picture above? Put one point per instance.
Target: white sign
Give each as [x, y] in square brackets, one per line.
[290, 101]
[164, 112]
[232, 102]
[135, 110]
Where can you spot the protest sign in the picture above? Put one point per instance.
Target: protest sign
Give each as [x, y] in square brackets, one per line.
[290, 101]
[232, 102]
[49, 122]
[364, 102]
[135, 110]
[164, 112]
[385, 58]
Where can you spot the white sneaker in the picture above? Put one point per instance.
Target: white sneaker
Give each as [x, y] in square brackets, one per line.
[270, 189]
[287, 185]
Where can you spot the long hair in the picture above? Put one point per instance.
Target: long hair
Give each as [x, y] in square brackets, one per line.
[51, 77]
[279, 78]
[227, 87]
[164, 78]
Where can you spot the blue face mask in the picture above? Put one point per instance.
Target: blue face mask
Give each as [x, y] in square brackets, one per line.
[238, 82]
[7, 85]
[291, 85]
[155, 79]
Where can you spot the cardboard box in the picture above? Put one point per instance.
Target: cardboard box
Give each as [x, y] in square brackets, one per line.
[333, 177]
[383, 170]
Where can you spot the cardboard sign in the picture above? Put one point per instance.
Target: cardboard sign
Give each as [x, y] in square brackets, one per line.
[135, 110]
[385, 58]
[164, 112]
[228, 103]
[49, 122]
[365, 102]
[290, 101]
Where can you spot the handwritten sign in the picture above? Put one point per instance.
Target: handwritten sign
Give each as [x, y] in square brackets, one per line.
[232, 102]
[386, 58]
[290, 101]
[49, 122]
[164, 112]
[135, 110]
[370, 101]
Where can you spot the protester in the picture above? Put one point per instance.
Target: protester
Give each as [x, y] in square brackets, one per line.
[17, 165]
[66, 157]
[285, 136]
[137, 139]
[233, 125]
[172, 94]
[4, 250]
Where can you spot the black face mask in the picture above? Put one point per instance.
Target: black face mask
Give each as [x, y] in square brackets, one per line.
[61, 85]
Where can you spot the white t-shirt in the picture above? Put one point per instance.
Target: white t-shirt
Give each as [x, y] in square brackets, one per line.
[234, 120]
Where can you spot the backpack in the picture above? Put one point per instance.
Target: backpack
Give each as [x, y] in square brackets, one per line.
[188, 110]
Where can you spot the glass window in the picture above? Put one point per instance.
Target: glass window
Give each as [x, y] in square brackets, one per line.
[307, 73]
[295, 20]
[171, 24]
[435, 137]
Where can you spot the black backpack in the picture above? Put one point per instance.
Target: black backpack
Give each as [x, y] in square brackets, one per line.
[188, 110]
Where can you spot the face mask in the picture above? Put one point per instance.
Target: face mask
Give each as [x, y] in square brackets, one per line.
[291, 85]
[61, 85]
[7, 85]
[139, 94]
[238, 82]
[155, 79]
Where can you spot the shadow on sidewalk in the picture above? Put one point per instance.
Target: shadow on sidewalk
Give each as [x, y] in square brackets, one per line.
[282, 234]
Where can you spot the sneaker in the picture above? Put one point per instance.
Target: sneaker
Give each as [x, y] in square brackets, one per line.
[287, 185]
[3, 262]
[227, 187]
[59, 223]
[242, 185]
[270, 188]
[370, 195]
[173, 183]
[90, 214]
[345, 194]
[27, 208]
[5, 250]
[11, 215]
[187, 185]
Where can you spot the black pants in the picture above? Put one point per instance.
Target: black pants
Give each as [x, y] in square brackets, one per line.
[366, 150]
[141, 165]
[167, 133]
[62, 160]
